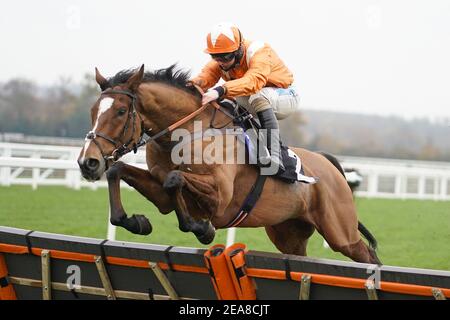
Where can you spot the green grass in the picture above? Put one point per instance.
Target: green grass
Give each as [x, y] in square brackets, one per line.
[410, 233]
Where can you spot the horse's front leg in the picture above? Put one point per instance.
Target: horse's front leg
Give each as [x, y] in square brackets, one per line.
[205, 196]
[145, 184]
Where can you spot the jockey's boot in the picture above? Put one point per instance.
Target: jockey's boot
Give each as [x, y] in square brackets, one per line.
[270, 123]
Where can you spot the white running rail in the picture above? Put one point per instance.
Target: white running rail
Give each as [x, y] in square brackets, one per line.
[40, 165]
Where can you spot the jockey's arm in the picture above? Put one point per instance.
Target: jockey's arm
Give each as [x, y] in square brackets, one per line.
[253, 80]
[209, 76]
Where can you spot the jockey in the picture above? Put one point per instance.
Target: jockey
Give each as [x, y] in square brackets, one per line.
[254, 75]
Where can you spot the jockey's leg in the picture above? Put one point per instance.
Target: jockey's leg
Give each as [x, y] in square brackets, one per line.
[269, 122]
[271, 104]
[243, 102]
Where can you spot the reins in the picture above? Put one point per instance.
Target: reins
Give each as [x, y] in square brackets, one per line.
[132, 113]
[193, 115]
[182, 121]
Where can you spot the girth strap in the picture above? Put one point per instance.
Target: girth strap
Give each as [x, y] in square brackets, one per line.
[250, 202]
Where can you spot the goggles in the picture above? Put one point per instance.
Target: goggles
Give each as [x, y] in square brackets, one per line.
[223, 57]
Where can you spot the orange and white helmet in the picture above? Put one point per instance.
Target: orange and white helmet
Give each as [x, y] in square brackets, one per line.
[223, 38]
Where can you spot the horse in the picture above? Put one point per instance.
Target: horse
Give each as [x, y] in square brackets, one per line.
[205, 197]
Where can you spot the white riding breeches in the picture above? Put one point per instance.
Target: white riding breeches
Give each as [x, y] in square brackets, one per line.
[283, 101]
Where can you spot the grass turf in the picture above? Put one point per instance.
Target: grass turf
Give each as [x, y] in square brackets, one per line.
[410, 233]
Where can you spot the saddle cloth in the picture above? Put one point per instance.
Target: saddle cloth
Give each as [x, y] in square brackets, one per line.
[292, 163]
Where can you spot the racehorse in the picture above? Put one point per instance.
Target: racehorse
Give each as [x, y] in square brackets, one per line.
[206, 197]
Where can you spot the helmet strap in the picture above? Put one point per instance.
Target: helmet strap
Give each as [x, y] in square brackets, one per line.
[238, 54]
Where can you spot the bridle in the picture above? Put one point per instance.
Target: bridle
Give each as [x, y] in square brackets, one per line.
[132, 113]
[125, 148]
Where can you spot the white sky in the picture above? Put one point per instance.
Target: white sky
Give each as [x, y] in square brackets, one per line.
[386, 57]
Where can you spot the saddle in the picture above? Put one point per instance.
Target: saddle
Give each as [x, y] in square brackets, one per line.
[242, 118]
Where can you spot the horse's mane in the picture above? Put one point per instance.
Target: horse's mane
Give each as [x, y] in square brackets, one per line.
[172, 76]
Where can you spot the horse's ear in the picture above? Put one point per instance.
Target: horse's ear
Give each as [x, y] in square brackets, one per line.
[136, 79]
[102, 82]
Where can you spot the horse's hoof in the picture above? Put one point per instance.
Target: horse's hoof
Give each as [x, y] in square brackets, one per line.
[208, 236]
[145, 227]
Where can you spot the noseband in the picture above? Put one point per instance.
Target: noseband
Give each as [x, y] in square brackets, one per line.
[125, 147]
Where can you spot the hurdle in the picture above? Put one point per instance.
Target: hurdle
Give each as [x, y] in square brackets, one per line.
[36, 265]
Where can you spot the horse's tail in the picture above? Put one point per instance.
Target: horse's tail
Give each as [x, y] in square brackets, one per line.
[370, 238]
[333, 160]
[364, 231]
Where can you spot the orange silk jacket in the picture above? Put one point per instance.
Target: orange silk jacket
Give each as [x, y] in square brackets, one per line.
[260, 67]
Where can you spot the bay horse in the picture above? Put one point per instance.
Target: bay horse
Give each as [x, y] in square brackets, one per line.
[206, 197]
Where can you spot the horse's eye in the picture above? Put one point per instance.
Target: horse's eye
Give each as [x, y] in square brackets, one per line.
[121, 111]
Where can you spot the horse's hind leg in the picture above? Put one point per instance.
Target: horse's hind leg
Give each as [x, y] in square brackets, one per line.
[291, 236]
[340, 230]
[203, 229]
[360, 252]
[145, 184]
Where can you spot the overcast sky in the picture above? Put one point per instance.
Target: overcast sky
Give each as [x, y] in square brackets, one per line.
[387, 57]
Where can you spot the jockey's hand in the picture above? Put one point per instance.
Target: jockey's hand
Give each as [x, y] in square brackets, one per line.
[209, 96]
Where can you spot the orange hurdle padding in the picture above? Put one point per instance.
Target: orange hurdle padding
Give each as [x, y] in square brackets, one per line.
[220, 275]
[6, 289]
[346, 282]
[144, 264]
[66, 255]
[243, 284]
[220, 270]
[10, 248]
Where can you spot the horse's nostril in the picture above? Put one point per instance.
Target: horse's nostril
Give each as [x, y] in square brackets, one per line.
[92, 164]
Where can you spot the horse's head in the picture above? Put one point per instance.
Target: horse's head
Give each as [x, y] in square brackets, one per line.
[116, 125]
